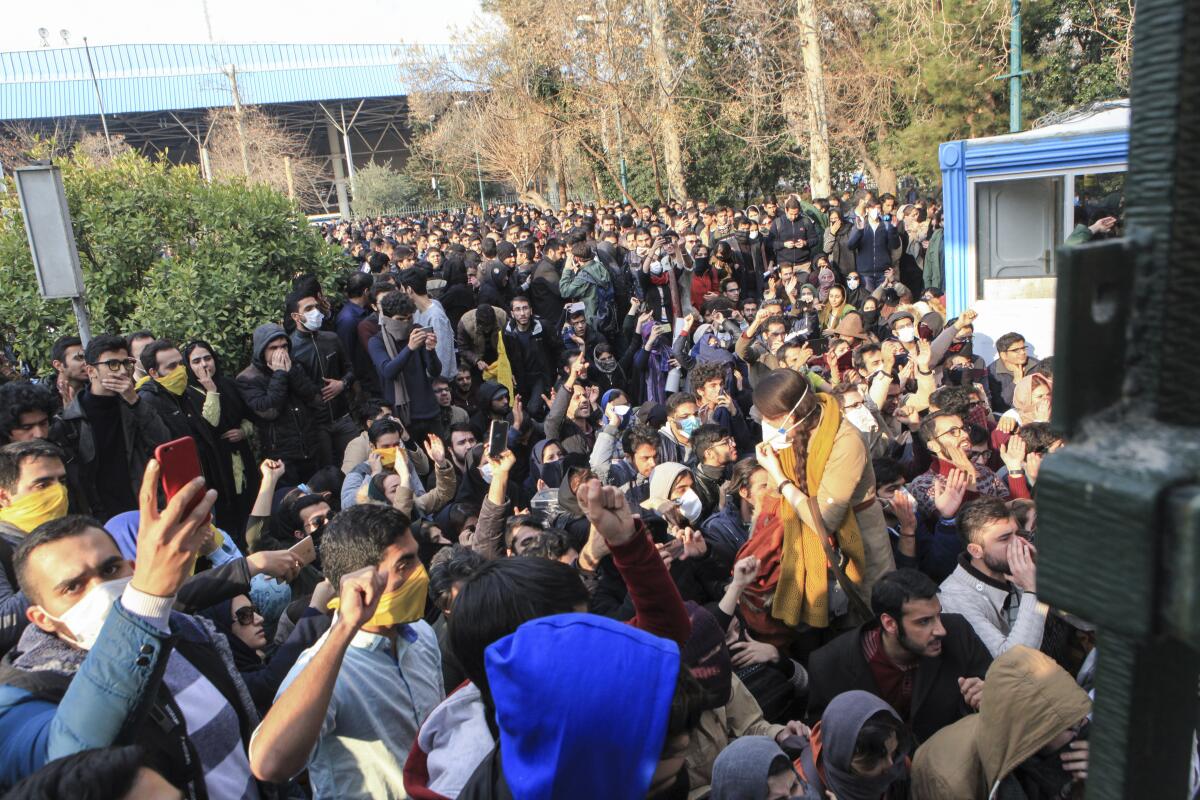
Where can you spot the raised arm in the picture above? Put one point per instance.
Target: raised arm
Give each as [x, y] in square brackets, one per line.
[281, 746]
[656, 601]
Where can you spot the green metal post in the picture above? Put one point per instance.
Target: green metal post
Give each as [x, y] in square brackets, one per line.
[621, 150]
[1014, 70]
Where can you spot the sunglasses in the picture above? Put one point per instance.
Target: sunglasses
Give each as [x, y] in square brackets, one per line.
[245, 615]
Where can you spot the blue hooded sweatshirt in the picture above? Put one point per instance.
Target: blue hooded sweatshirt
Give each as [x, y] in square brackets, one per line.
[594, 731]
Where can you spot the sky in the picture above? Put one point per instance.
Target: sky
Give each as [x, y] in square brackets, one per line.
[236, 21]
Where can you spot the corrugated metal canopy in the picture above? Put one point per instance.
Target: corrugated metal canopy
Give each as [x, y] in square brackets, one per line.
[138, 78]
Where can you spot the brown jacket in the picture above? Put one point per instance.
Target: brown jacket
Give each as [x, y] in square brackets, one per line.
[741, 716]
[467, 339]
[1027, 701]
[849, 483]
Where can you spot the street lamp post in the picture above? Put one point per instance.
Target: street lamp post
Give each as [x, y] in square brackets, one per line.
[588, 19]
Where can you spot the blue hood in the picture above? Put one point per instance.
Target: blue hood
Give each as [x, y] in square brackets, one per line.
[582, 703]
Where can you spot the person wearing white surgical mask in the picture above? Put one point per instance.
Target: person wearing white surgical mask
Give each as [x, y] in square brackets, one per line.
[861, 413]
[671, 487]
[812, 453]
[105, 628]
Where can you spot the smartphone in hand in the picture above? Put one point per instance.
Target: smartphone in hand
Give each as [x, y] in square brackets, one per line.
[498, 438]
[179, 463]
[305, 550]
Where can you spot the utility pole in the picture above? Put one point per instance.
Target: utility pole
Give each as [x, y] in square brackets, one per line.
[231, 73]
[99, 99]
[1014, 70]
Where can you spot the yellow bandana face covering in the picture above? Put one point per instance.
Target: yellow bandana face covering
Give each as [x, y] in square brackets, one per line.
[401, 606]
[387, 456]
[174, 381]
[37, 507]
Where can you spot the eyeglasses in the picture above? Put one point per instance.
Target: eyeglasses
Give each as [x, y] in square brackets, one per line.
[1018, 349]
[117, 364]
[956, 431]
[245, 615]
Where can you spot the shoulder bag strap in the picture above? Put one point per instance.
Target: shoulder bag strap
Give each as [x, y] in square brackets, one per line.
[835, 563]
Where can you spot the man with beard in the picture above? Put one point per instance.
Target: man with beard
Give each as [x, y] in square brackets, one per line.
[994, 587]
[405, 357]
[927, 665]
[762, 356]
[536, 351]
[570, 419]
[543, 285]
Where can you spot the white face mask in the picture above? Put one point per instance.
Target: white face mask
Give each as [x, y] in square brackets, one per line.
[873, 214]
[656, 268]
[690, 505]
[485, 470]
[862, 419]
[778, 437]
[620, 411]
[313, 319]
[852, 283]
[906, 335]
[753, 234]
[86, 618]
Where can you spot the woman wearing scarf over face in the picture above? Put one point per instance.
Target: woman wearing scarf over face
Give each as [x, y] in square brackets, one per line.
[651, 364]
[825, 280]
[605, 371]
[858, 751]
[216, 399]
[242, 625]
[544, 466]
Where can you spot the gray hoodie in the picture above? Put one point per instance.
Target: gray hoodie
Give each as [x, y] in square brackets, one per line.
[741, 770]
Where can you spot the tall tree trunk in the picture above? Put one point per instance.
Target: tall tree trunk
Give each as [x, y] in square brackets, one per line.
[884, 175]
[560, 173]
[814, 83]
[660, 60]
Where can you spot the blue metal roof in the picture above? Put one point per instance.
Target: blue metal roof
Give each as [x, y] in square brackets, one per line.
[135, 78]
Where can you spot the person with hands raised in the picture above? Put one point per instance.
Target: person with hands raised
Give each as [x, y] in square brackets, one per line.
[489, 529]
[118, 649]
[945, 435]
[350, 707]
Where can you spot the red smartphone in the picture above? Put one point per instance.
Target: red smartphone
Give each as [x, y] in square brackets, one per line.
[179, 464]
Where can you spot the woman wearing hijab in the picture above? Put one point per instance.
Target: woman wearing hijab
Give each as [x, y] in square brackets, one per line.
[835, 307]
[837, 242]
[606, 371]
[754, 768]
[856, 292]
[223, 440]
[544, 466]
[858, 751]
[1032, 397]
[825, 281]
[242, 625]
[652, 364]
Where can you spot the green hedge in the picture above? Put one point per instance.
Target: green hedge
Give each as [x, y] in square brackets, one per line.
[163, 250]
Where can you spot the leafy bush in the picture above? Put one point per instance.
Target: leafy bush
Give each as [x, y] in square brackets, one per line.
[379, 189]
[163, 250]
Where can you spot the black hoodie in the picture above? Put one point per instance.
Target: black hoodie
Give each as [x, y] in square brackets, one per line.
[281, 403]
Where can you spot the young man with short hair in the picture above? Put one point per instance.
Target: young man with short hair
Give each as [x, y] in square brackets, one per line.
[351, 706]
[683, 418]
[994, 586]
[25, 412]
[927, 665]
[1011, 365]
[70, 368]
[105, 650]
[430, 314]
[109, 434]
[321, 355]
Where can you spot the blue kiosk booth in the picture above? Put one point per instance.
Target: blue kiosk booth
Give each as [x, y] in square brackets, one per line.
[1010, 201]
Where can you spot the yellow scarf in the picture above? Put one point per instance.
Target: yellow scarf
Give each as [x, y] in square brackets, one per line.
[31, 510]
[802, 595]
[500, 370]
[174, 381]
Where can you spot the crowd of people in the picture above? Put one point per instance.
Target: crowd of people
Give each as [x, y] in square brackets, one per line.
[602, 502]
